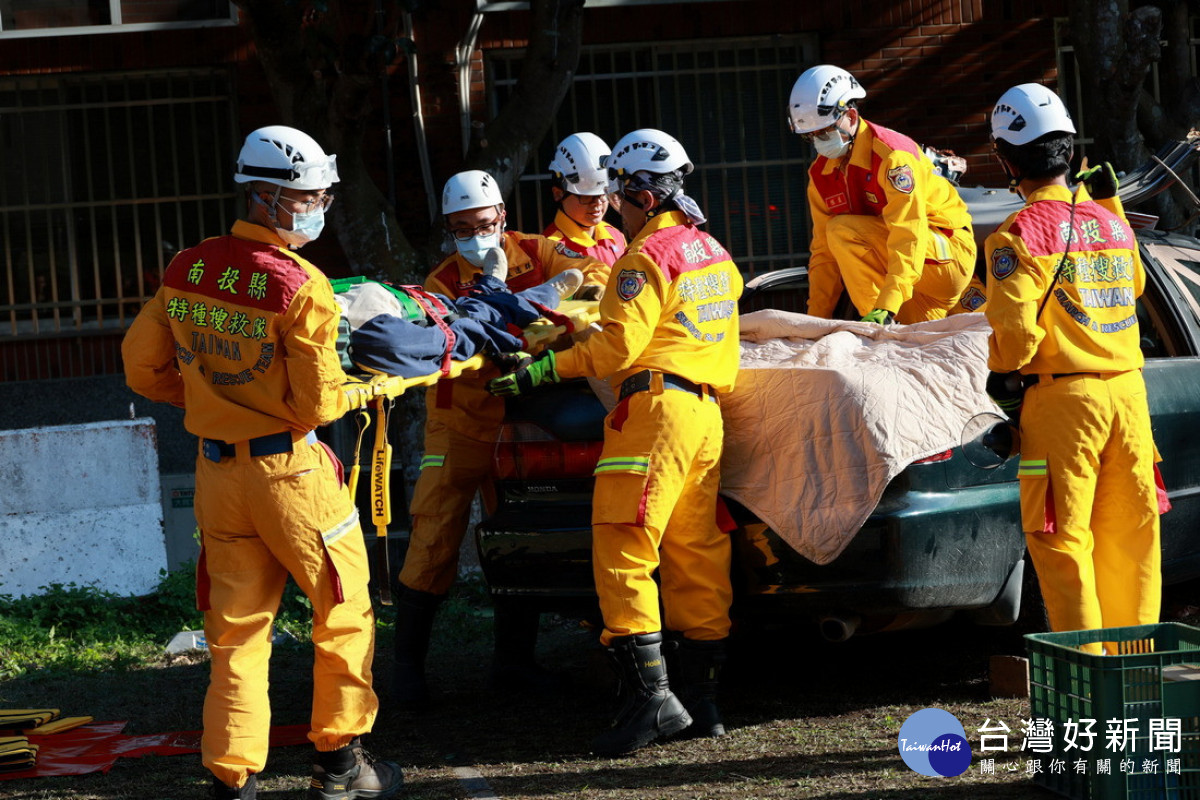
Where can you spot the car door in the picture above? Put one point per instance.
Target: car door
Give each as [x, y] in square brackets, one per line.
[1169, 322]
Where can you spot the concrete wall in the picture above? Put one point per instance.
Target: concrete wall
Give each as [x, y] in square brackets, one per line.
[81, 504]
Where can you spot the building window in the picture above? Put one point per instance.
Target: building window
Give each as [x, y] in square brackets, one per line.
[19, 18]
[106, 177]
[725, 100]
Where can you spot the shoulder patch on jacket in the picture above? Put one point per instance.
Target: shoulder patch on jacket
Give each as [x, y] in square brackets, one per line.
[1004, 262]
[902, 178]
[972, 299]
[630, 283]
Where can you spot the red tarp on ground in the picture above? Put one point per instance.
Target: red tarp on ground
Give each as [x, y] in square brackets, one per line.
[95, 747]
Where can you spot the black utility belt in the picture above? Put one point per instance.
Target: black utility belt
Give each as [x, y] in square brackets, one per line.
[269, 445]
[641, 382]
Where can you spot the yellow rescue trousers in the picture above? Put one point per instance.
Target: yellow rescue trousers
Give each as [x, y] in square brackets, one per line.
[1089, 501]
[859, 245]
[453, 468]
[655, 509]
[261, 519]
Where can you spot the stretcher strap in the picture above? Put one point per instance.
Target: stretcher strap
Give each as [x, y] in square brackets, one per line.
[437, 311]
[381, 501]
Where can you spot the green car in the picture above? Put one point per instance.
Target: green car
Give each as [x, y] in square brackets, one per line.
[945, 537]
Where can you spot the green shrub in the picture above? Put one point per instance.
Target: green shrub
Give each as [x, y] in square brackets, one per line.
[70, 628]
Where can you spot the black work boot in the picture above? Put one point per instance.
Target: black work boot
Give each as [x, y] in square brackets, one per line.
[514, 667]
[648, 709]
[351, 773]
[697, 681]
[249, 790]
[415, 611]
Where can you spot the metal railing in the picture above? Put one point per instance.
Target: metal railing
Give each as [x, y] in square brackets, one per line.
[105, 177]
[725, 100]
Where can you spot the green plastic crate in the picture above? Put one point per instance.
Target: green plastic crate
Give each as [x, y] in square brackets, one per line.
[1140, 683]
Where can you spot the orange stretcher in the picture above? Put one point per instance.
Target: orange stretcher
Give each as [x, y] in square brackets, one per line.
[571, 316]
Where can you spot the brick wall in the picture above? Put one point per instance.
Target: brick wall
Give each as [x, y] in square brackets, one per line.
[932, 69]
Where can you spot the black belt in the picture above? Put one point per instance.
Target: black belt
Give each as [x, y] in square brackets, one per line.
[1060, 375]
[640, 382]
[270, 445]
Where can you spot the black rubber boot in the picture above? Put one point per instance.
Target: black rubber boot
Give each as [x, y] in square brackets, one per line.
[414, 623]
[248, 790]
[514, 666]
[648, 709]
[352, 773]
[697, 679]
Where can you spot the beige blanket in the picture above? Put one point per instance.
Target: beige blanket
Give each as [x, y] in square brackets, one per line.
[827, 412]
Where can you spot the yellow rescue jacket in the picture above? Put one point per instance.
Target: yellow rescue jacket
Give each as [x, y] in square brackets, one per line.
[1089, 321]
[670, 305]
[607, 244]
[884, 175]
[242, 335]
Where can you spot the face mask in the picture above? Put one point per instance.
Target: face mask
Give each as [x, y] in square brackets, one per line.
[305, 228]
[832, 145]
[473, 249]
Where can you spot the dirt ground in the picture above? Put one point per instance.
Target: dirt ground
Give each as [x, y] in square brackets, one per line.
[806, 718]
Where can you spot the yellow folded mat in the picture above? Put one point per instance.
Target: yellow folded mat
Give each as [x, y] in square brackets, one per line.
[58, 725]
[17, 718]
[16, 753]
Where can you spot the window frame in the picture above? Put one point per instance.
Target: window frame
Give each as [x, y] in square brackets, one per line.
[726, 197]
[117, 26]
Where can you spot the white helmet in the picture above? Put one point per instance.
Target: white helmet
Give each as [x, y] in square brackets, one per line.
[285, 157]
[1028, 112]
[580, 165]
[471, 189]
[650, 150]
[820, 96]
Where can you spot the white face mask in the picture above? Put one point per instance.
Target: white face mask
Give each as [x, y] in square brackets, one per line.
[473, 249]
[832, 145]
[305, 228]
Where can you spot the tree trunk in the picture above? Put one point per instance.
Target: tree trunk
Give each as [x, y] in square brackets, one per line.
[322, 75]
[555, 36]
[1115, 50]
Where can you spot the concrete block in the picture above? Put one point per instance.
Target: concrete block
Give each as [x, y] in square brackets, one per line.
[81, 505]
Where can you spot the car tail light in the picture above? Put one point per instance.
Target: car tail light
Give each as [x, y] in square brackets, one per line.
[944, 456]
[526, 451]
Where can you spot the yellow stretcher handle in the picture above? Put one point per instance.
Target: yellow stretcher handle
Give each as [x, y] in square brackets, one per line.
[364, 422]
[381, 496]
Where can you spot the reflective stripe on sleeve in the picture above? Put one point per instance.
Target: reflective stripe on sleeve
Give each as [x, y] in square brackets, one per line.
[1031, 468]
[433, 461]
[640, 466]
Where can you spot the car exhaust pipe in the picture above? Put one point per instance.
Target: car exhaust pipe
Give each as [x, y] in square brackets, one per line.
[838, 629]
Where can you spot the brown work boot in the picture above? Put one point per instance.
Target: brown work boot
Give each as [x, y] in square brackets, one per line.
[351, 773]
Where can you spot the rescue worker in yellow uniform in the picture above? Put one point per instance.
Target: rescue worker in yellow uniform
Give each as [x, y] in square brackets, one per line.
[669, 347]
[1064, 276]
[886, 226]
[581, 190]
[461, 427]
[242, 336]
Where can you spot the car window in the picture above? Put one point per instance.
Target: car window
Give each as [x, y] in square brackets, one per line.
[1181, 268]
[1152, 342]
